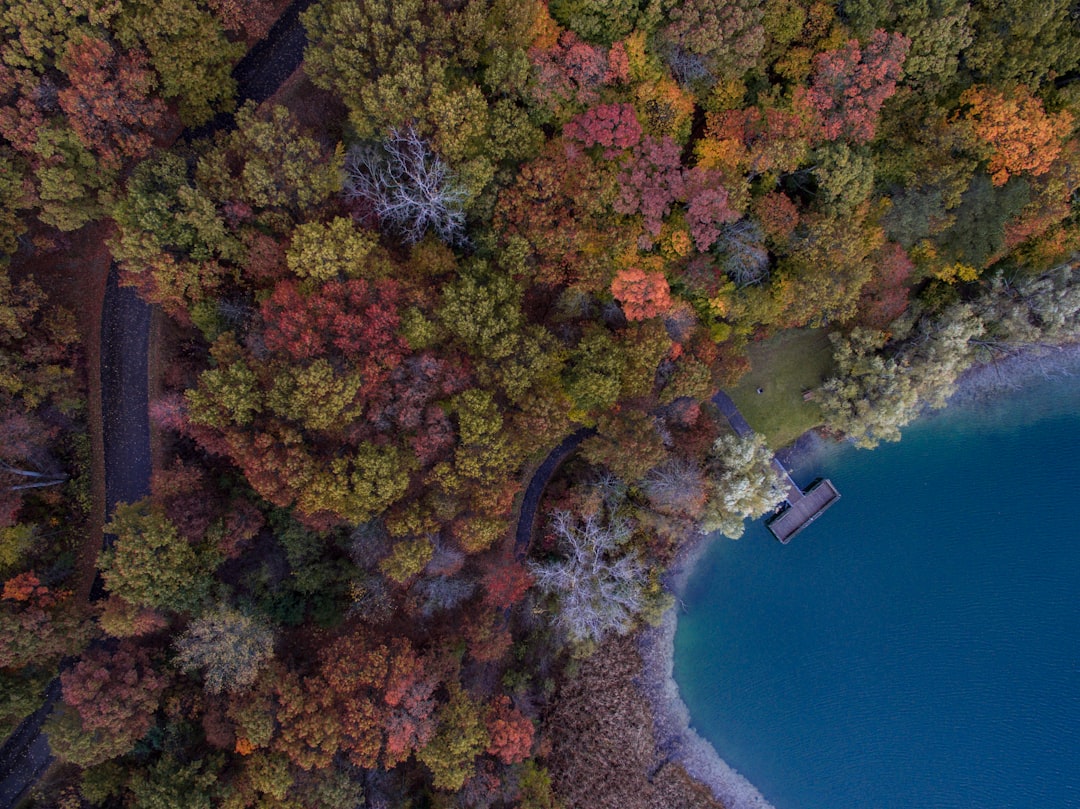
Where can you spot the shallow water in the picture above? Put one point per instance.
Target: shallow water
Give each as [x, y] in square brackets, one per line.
[919, 645]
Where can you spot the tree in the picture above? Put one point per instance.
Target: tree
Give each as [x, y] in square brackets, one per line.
[1017, 133]
[409, 188]
[252, 18]
[569, 73]
[849, 85]
[709, 207]
[613, 126]
[115, 694]
[227, 646]
[1021, 42]
[266, 166]
[873, 394]
[172, 239]
[742, 482]
[109, 102]
[594, 373]
[170, 784]
[510, 733]
[726, 35]
[505, 583]
[384, 695]
[150, 564]
[354, 318]
[459, 739]
[73, 188]
[641, 294]
[676, 487]
[598, 583]
[743, 255]
[557, 212]
[602, 21]
[188, 50]
[39, 625]
[650, 181]
[885, 296]
[627, 443]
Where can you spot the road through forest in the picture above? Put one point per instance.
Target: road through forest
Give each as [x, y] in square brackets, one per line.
[125, 336]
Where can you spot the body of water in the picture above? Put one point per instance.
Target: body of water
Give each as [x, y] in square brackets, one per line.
[920, 644]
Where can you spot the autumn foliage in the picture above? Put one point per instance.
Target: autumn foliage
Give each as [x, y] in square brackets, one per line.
[1015, 129]
[849, 85]
[642, 294]
[109, 102]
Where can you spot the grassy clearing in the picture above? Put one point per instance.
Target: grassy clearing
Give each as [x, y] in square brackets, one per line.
[783, 367]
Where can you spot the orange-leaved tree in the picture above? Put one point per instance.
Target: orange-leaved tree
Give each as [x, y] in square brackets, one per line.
[1015, 130]
[641, 294]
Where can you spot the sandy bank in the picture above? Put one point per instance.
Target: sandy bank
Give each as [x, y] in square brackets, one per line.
[676, 739]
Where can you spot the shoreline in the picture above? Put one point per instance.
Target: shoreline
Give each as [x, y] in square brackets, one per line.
[674, 735]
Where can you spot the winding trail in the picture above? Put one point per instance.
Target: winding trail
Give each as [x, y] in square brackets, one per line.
[125, 339]
[539, 481]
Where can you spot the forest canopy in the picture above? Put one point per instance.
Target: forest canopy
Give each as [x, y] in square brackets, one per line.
[469, 246]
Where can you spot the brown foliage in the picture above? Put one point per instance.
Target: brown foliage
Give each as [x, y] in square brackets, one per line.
[108, 102]
[602, 737]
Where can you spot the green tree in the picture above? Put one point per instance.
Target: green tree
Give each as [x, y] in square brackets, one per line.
[150, 564]
[461, 736]
[1021, 41]
[593, 375]
[603, 21]
[741, 483]
[324, 251]
[171, 784]
[188, 49]
[872, 396]
[72, 188]
[266, 162]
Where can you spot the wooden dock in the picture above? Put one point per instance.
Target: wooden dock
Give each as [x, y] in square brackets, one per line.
[805, 508]
[802, 507]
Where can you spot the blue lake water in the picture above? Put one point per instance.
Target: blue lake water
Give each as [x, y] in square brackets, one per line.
[919, 645]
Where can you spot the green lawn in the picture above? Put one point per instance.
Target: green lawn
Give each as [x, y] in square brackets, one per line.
[783, 367]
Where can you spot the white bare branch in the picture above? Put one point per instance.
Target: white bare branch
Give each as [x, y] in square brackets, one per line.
[410, 188]
[598, 583]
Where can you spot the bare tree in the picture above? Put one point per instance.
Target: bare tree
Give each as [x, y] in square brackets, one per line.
[410, 189]
[744, 257]
[677, 486]
[598, 584]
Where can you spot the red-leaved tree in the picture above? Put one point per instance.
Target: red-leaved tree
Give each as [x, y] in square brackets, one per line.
[613, 126]
[652, 179]
[109, 102]
[708, 207]
[510, 733]
[115, 693]
[849, 85]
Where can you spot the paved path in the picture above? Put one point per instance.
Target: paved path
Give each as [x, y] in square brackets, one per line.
[540, 479]
[125, 337]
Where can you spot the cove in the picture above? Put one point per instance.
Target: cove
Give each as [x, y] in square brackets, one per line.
[920, 644]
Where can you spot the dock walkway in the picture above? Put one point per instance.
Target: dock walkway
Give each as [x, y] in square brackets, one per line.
[802, 507]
